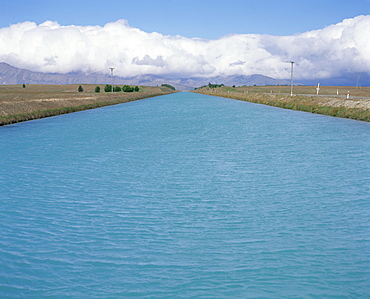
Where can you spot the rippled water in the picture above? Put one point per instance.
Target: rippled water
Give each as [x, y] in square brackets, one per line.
[185, 195]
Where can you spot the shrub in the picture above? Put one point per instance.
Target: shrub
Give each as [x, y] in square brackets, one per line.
[127, 88]
[80, 89]
[108, 88]
[116, 89]
[136, 88]
[97, 89]
[169, 86]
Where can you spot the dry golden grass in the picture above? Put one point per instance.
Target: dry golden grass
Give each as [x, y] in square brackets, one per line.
[324, 90]
[18, 103]
[305, 99]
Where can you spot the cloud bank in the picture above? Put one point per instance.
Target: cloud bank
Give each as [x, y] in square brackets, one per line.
[50, 47]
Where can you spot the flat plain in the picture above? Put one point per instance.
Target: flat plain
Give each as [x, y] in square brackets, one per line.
[339, 101]
[18, 103]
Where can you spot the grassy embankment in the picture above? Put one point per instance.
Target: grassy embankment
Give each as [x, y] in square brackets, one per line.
[328, 103]
[37, 101]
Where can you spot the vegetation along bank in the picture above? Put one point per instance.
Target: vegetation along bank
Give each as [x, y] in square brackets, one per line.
[346, 102]
[26, 102]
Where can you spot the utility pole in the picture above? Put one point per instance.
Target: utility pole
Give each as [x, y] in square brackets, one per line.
[291, 79]
[358, 80]
[111, 72]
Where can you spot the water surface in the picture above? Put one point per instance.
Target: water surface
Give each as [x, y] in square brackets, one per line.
[185, 195]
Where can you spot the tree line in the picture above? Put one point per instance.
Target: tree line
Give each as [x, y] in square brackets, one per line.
[169, 86]
[108, 88]
[210, 86]
[125, 88]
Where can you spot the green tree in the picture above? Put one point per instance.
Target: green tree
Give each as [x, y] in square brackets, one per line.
[108, 88]
[169, 86]
[80, 89]
[136, 88]
[117, 89]
[215, 85]
[97, 89]
[127, 88]
[24, 85]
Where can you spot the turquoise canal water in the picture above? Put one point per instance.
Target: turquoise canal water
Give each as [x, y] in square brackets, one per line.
[185, 195]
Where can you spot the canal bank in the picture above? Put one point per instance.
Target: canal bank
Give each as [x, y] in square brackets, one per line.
[18, 103]
[357, 108]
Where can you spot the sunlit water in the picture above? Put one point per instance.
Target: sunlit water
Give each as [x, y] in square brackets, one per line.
[185, 195]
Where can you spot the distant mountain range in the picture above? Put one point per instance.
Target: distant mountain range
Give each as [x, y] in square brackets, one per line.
[348, 79]
[13, 75]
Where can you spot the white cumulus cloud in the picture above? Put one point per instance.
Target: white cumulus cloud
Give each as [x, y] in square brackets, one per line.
[50, 47]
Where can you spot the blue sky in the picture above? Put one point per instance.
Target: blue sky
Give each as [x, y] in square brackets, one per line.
[184, 38]
[190, 18]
